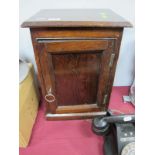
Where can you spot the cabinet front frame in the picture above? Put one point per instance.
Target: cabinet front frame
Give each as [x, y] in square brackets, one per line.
[113, 46]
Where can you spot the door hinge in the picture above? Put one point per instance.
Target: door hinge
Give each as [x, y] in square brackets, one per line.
[105, 98]
[111, 60]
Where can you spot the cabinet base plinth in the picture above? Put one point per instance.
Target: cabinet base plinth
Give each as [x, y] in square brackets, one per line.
[71, 116]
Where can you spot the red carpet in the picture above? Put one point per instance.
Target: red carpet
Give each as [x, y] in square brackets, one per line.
[71, 137]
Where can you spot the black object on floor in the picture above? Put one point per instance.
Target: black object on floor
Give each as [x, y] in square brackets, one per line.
[119, 133]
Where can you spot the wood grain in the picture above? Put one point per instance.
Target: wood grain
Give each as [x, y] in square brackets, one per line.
[78, 108]
[76, 77]
[75, 46]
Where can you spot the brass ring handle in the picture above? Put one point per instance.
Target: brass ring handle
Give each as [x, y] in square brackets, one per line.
[49, 95]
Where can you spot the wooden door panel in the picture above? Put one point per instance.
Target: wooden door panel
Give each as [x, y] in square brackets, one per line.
[48, 78]
[103, 93]
[77, 78]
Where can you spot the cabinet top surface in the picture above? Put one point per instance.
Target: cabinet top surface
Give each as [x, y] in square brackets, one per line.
[76, 18]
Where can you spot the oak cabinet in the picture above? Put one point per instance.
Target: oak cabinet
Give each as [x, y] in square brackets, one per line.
[76, 60]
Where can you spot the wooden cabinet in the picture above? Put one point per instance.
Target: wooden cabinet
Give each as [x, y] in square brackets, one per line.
[76, 52]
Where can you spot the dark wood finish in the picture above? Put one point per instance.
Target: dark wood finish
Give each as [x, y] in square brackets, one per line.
[76, 64]
[76, 78]
[77, 108]
[76, 18]
[76, 46]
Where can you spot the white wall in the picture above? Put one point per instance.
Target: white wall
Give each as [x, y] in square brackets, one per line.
[125, 8]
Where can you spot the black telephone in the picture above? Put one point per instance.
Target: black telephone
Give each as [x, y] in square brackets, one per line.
[118, 132]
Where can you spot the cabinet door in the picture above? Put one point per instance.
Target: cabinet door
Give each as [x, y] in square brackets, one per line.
[75, 73]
